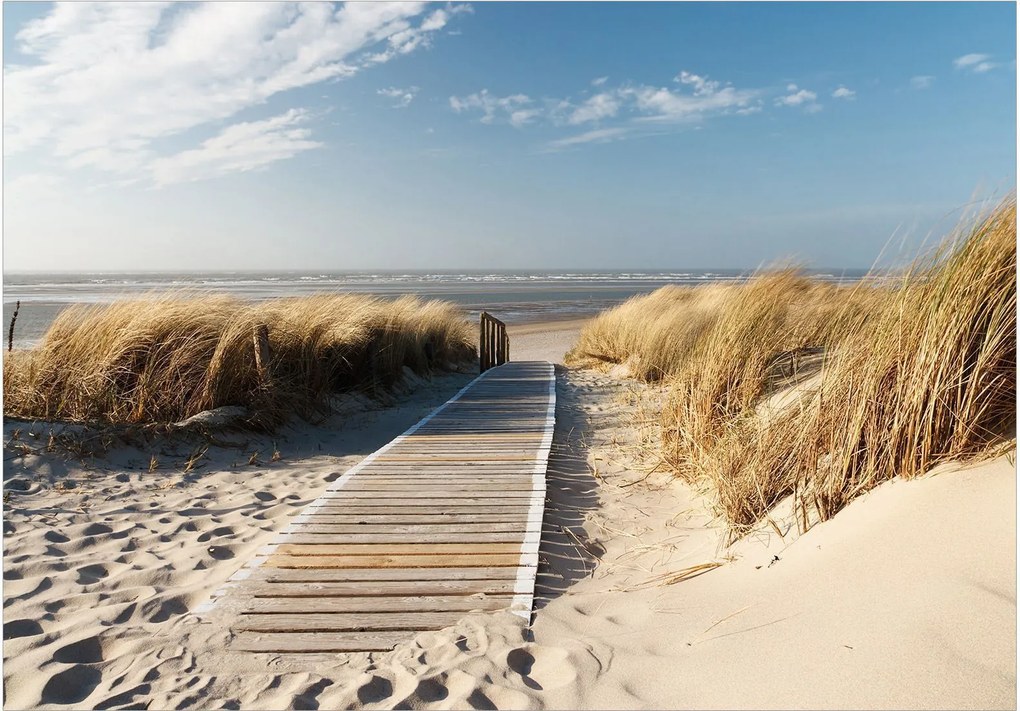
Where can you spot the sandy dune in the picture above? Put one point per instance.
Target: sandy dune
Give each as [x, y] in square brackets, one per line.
[906, 599]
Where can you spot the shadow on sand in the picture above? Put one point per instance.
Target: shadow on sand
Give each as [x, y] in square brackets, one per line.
[566, 555]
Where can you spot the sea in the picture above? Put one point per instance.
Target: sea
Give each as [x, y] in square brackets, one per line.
[516, 297]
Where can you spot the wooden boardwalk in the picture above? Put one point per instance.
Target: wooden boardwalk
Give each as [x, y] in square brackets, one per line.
[442, 521]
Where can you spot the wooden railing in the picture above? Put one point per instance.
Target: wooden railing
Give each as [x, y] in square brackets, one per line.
[493, 343]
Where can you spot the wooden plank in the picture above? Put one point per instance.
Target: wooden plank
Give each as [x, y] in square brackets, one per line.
[450, 458]
[423, 494]
[419, 482]
[349, 622]
[383, 560]
[403, 517]
[381, 588]
[413, 603]
[380, 575]
[410, 505]
[397, 549]
[418, 529]
[336, 642]
[449, 536]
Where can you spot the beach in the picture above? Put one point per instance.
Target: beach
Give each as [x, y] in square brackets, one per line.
[639, 602]
[418, 355]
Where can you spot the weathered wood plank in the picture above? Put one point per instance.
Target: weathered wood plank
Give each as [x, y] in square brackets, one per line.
[383, 560]
[447, 537]
[375, 576]
[349, 622]
[397, 549]
[439, 457]
[344, 531]
[382, 588]
[408, 517]
[337, 642]
[450, 483]
[463, 505]
[426, 496]
[413, 603]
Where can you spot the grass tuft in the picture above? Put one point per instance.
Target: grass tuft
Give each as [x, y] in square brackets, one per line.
[167, 358]
[785, 386]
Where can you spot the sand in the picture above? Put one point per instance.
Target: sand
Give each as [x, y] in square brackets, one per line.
[906, 599]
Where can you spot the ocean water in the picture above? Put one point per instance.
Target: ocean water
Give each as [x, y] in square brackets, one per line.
[515, 297]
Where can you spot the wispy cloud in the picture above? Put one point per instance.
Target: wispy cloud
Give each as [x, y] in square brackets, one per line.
[598, 135]
[516, 109]
[977, 63]
[237, 148]
[922, 81]
[796, 96]
[842, 92]
[599, 81]
[662, 105]
[597, 107]
[402, 98]
[112, 80]
[633, 106]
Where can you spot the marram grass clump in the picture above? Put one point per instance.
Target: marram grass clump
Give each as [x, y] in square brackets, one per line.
[902, 376]
[164, 359]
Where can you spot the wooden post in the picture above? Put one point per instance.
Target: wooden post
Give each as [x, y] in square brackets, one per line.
[493, 342]
[10, 333]
[260, 341]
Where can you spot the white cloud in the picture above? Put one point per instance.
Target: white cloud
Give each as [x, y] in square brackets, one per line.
[843, 93]
[922, 82]
[402, 98]
[110, 80]
[651, 104]
[977, 63]
[599, 135]
[516, 109]
[237, 148]
[702, 86]
[800, 97]
[969, 60]
[661, 105]
[599, 81]
[597, 107]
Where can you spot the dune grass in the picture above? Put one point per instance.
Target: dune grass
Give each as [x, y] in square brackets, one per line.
[911, 373]
[166, 358]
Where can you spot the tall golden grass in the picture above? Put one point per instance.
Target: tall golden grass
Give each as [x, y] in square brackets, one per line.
[166, 358]
[912, 373]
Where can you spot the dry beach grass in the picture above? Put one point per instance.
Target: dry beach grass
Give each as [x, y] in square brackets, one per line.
[911, 374]
[166, 358]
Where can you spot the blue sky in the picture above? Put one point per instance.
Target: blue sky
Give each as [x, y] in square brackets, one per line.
[447, 136]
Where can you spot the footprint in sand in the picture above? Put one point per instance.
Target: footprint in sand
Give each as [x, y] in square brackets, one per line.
[21, 628]
[221, 552]
[541, 667]
[71, 686]
[89, 574]
[377, 689]
[162, 610]
[96, 529]
[84, 651]
[217, 533]
[427, 691]
[55, 537]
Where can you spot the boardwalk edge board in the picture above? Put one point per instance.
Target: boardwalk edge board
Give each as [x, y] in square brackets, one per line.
[525, 584]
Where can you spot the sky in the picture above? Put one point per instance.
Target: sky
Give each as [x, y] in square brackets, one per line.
[272, 136]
